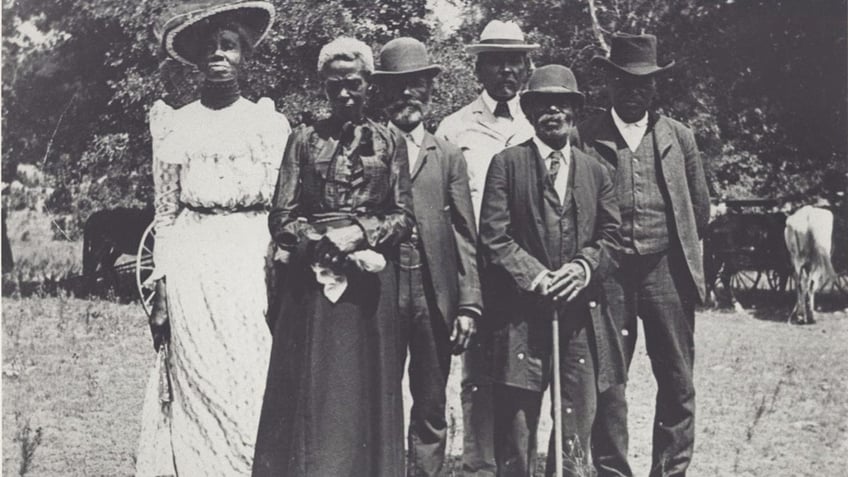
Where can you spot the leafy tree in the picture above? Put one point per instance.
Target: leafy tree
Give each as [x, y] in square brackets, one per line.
[762, 82]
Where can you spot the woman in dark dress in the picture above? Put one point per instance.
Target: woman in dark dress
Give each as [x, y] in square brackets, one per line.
[332, 404]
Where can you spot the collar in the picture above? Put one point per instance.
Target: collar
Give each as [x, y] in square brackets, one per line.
[416, 134]
[621, 125]
[513, 105]
[545, 150]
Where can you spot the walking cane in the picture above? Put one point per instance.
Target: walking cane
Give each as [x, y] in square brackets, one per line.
[557, 397]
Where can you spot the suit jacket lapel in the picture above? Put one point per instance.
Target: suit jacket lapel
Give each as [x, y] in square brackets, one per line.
[582, 201]
[428, 145]
[607, 137]
[536, 174]
[663, 136]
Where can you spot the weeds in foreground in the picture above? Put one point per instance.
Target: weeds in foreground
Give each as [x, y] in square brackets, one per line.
[28, 440]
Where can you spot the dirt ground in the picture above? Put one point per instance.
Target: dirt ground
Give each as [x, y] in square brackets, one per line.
[772, 398]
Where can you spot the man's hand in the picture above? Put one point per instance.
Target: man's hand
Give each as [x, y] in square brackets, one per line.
[567, 282]
[542, 283]
[464, 328]
[160, 325]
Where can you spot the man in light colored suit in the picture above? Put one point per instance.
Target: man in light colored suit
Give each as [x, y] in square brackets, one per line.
[482, 129]
[439, 287]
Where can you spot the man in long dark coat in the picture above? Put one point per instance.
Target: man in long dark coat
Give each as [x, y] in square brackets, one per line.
[439, 298]
[664, 202]
[548, 229]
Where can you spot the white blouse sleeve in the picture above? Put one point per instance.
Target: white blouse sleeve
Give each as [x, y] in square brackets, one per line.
[276, 133]
[166, 182]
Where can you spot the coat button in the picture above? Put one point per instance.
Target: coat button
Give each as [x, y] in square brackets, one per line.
[581, 361]
[568, 410]
[520, 355]
[625, 333]
[593, 304]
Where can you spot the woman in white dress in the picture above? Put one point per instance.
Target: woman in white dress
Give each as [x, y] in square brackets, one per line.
[216, 161]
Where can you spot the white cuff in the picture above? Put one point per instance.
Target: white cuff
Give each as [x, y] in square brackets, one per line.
[586, 268]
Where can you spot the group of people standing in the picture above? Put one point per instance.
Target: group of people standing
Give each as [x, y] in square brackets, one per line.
[287, 360]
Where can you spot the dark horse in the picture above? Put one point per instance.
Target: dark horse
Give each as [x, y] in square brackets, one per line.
[750, 241]
[108, 234]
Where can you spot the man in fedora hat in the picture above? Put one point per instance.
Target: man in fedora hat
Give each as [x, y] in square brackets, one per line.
[664, 202]
[439, 286]
[481, 129]
[548, 233]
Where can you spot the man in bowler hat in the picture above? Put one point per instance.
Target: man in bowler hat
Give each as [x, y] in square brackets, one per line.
[481, 129]
[439, 287]
[664, 203]
[548, 233]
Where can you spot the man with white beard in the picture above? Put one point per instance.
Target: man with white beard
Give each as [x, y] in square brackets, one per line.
[439, 297]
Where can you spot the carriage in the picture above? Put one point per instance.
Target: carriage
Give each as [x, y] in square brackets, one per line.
[745, 248]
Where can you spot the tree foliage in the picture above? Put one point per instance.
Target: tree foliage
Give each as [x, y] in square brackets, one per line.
[762, 82]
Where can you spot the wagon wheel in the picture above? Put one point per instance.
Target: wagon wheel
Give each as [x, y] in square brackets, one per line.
[144, 267]
[777, 280]
[745, 280]
[840, 283]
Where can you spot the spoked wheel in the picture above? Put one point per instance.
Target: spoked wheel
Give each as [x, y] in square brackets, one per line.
[745, 280]
[840, 284]
[777, 280]
[144, 267]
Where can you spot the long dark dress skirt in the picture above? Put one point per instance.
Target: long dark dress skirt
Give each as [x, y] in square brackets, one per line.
[333, 403]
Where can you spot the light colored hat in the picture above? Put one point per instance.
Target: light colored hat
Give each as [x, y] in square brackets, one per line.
[255, 16]
[501, 36]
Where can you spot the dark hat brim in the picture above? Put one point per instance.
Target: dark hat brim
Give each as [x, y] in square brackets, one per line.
[432, 70]
[552, 91]
[640, 70]
[178, 28]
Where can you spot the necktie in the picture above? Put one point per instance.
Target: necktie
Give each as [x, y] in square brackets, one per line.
[502, 110]
[553, 168]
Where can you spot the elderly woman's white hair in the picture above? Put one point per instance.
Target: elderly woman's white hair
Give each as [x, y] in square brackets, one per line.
[349, 49]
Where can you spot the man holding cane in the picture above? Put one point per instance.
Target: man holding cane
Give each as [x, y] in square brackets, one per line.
[549, 229]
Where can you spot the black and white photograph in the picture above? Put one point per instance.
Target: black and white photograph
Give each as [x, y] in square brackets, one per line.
[424, 238]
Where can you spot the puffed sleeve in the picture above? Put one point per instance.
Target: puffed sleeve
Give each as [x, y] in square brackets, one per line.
[166, 182]
[286, 220]
[275, 134]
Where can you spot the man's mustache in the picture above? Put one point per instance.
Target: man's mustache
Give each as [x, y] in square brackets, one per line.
[406, 103]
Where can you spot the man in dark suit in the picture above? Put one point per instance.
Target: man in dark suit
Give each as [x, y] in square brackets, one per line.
[548, 229]
[664, 204]
[440, 289]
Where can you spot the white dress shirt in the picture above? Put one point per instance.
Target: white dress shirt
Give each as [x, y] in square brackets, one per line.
[561, 187]
[631, 132]
[413, 141]
[561, 183]
[514, 106]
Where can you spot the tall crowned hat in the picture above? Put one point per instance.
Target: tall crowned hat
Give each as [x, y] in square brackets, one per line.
[184, 19]
[633, 54]
[503, 37]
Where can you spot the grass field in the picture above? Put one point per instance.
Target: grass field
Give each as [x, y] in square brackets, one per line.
[772, 398]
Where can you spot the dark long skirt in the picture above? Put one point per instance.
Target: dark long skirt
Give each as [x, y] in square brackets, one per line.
[332, 404]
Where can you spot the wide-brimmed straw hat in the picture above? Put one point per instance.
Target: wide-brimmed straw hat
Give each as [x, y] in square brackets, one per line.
[402, 56]
[181, 21]
[552, 80]
[503, 37]
[633, 54]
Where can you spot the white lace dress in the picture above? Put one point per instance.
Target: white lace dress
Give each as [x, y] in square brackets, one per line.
[214, 174]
